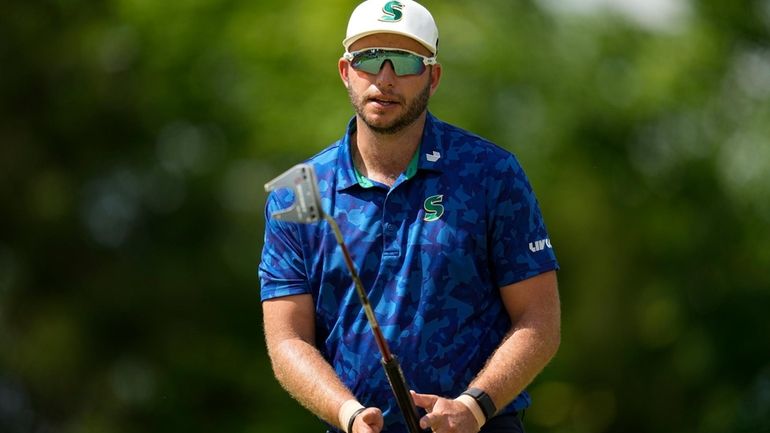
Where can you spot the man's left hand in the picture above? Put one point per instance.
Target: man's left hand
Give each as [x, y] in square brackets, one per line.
[445, 415]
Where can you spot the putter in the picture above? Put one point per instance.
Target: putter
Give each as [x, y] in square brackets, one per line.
[307, 209]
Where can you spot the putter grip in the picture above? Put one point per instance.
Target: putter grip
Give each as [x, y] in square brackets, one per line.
[403, 398]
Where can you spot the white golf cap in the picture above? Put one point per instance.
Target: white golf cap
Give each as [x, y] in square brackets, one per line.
[401, 17]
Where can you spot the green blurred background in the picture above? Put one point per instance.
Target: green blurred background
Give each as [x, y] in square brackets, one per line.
[136, 135]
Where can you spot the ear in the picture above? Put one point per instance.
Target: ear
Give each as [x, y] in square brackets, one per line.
[343, 67]
[435, 77]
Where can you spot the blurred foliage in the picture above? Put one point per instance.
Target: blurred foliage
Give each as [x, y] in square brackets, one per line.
[136, 135]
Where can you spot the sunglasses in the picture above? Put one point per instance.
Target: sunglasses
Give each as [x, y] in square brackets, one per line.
[404, 62]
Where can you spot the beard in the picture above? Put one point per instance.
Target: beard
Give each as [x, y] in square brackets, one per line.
[413, 110]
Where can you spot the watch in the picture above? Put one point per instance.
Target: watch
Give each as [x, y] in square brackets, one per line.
[485, 402]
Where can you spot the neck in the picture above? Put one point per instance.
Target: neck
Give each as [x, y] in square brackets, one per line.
[383, 157]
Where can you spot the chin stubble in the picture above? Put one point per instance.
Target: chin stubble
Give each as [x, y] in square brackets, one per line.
[413, 111]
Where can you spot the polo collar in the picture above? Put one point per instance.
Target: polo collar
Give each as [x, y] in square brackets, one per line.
[429, 155]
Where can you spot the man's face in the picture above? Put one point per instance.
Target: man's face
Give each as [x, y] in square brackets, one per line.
[385, 102]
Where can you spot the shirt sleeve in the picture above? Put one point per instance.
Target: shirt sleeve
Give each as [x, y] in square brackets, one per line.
[282, 270]
[521, 247]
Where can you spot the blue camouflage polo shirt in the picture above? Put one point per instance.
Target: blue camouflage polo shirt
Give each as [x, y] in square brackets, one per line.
[432, 251]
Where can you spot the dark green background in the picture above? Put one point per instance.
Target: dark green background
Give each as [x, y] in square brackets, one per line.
[136, 135]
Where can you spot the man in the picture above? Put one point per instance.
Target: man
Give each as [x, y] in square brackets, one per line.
[449, 242]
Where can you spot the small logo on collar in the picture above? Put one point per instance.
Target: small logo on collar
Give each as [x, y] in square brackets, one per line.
[433, 157]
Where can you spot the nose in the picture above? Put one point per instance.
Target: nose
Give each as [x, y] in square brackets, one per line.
[387, 74]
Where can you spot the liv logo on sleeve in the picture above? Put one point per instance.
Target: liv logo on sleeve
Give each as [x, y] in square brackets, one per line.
[540, 245]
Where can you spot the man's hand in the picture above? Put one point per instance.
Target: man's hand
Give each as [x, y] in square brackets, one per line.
[368, 421]
[445, 415]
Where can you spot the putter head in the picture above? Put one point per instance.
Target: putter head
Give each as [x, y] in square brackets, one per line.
[306, 208]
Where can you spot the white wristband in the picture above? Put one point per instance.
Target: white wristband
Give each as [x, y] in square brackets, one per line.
[473, 406]
[346, 411]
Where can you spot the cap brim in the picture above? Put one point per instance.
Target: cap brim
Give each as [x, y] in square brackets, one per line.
[349, 41]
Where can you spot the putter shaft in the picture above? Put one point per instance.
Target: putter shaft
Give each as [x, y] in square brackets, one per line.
[390, 363]
[387, 356]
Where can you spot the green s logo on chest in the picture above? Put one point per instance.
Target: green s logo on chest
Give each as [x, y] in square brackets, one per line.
[392, 11]
[433, 208]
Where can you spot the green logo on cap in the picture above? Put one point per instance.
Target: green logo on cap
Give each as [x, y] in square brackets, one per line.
[392, 11]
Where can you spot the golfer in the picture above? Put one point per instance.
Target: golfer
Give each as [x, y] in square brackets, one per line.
[450, 245]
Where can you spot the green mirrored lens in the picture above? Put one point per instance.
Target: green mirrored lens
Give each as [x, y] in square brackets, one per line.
[407, 64]
[371, 61]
